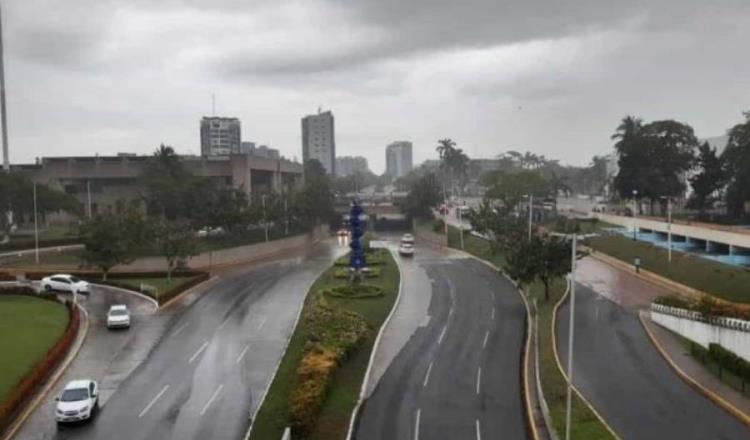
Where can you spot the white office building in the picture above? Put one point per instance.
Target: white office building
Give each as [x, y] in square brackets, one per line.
[398, 159]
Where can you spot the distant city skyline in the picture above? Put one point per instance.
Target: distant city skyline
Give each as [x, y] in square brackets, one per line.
[554, 80]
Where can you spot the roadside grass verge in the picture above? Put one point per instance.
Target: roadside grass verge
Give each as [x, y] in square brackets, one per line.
[721, 280]
[702, 355]
[29, 327]
[584, 423]
[343, 385]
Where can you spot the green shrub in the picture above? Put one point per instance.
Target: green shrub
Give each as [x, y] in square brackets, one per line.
[438, 225]
[673, 301]
[729, 361]
[354, 291]
[707, 306]
[345, 274]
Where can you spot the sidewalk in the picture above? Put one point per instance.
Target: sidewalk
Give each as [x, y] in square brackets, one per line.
[633, 292]
[681, 357]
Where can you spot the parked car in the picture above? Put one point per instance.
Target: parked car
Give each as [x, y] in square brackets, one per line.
[78, 401]
[118, 316]
[64, 283]
[210, 232]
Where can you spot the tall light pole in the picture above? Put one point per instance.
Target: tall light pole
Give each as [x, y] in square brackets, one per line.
[36, 230]
[88, 197]
[461, 225]
[570, 335]
[3, 116]
[265, 222]
[669, 229]
[531, 211]
[286, 217]
[635, 214]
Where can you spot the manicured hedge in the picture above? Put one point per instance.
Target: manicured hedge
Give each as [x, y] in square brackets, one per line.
[729, 361]
[43, 369]
[707, 306]
[354, 291]
[345, 274]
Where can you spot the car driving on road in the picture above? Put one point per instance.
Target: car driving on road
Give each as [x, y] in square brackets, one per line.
[118, 317]
[78, 401]
[406, 247]
[64, 283]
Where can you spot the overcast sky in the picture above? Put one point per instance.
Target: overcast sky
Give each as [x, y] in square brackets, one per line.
[553, 77]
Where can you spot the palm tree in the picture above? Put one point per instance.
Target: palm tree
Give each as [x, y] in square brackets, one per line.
[445, 150]
[629, 127]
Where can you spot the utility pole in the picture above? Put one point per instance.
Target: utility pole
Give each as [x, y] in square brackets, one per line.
[669, 228]
[265, 221]
[635, 213]
[3, 116]
[570, 335]
[36, 230]
[286, 217]
[461, 225]
[88, 197]
[447, 211]
[531, 211]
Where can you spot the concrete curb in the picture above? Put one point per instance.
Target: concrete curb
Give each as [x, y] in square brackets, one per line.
[254, 414]
[715, 398]
[562, 371]
[355, 411]
[537, 376]
[131, 292]
[526, 384]
[72, 354]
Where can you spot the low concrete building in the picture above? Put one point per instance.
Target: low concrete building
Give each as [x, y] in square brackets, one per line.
[106, 179]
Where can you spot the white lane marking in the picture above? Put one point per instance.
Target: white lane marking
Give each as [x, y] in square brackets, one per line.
[493, 313]
[211, 400]
[242, 354]
[450, 312]
[442, 335]
[262, 322]
[427, 376]
[224, 322]
[416, 425]
[153, 401]
[479, 379]
[486, 336]
[180, 329]
[197, 353]
[479, 432]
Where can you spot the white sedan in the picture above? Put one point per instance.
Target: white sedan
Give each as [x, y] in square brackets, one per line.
[118, 317]
[78, 401]
[406, 249]
[64, 283]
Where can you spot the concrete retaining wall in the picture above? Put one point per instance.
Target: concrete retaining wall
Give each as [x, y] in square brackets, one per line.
[732, 334]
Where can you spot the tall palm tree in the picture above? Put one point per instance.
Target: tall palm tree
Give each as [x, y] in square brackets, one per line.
[629, 127]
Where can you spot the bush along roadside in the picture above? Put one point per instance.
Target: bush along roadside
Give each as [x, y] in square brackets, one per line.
[317, 383]
[707, 306]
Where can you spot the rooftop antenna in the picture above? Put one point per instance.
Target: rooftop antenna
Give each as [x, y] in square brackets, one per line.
[6, 158]
[213, 104]
[320, 110]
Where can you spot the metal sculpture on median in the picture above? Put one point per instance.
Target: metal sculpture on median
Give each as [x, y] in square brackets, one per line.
[357, 256]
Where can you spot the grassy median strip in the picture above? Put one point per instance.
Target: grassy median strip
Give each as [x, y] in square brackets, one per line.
[318, 381]
[584, 423]
[721, 280]
[29, 327]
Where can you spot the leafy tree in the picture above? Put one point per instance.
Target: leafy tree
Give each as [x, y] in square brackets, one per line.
[423, 195]
[453, 162]
[113, 238]
[166, 184]
[314, 204]
[709, 179]
[736, 156]
[510, 188]
[552, 260]
[177, 242]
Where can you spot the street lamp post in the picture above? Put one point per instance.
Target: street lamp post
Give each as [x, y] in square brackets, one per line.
[669, 229]
[461, 225]
[531, 213]
[635, 214]
[36, 230]
[570, 335]
[286, 217]
[265, 221]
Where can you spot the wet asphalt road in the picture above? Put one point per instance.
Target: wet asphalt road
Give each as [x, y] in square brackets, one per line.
[207, 375]
[617, 368]
[458, 376]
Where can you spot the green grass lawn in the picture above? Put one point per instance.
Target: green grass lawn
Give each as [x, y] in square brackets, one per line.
[69, 258]
[333, 419]
[584, 423]
[721, 280]
[29, 327]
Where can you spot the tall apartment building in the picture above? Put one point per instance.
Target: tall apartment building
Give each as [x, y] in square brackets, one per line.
[398, 159]
[220, 136]
[348, 165]
[319, 140]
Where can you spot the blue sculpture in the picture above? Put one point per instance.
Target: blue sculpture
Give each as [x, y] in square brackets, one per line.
[357, 256]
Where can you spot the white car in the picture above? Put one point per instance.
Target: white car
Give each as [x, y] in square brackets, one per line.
[406, 249]
[210, 232]
[118, 316]
[64, 283]
[78, 401]
[408, 239]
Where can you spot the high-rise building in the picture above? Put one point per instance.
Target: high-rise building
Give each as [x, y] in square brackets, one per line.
[398, 159]
[348, 165]
[220, 136]
[319, 140]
